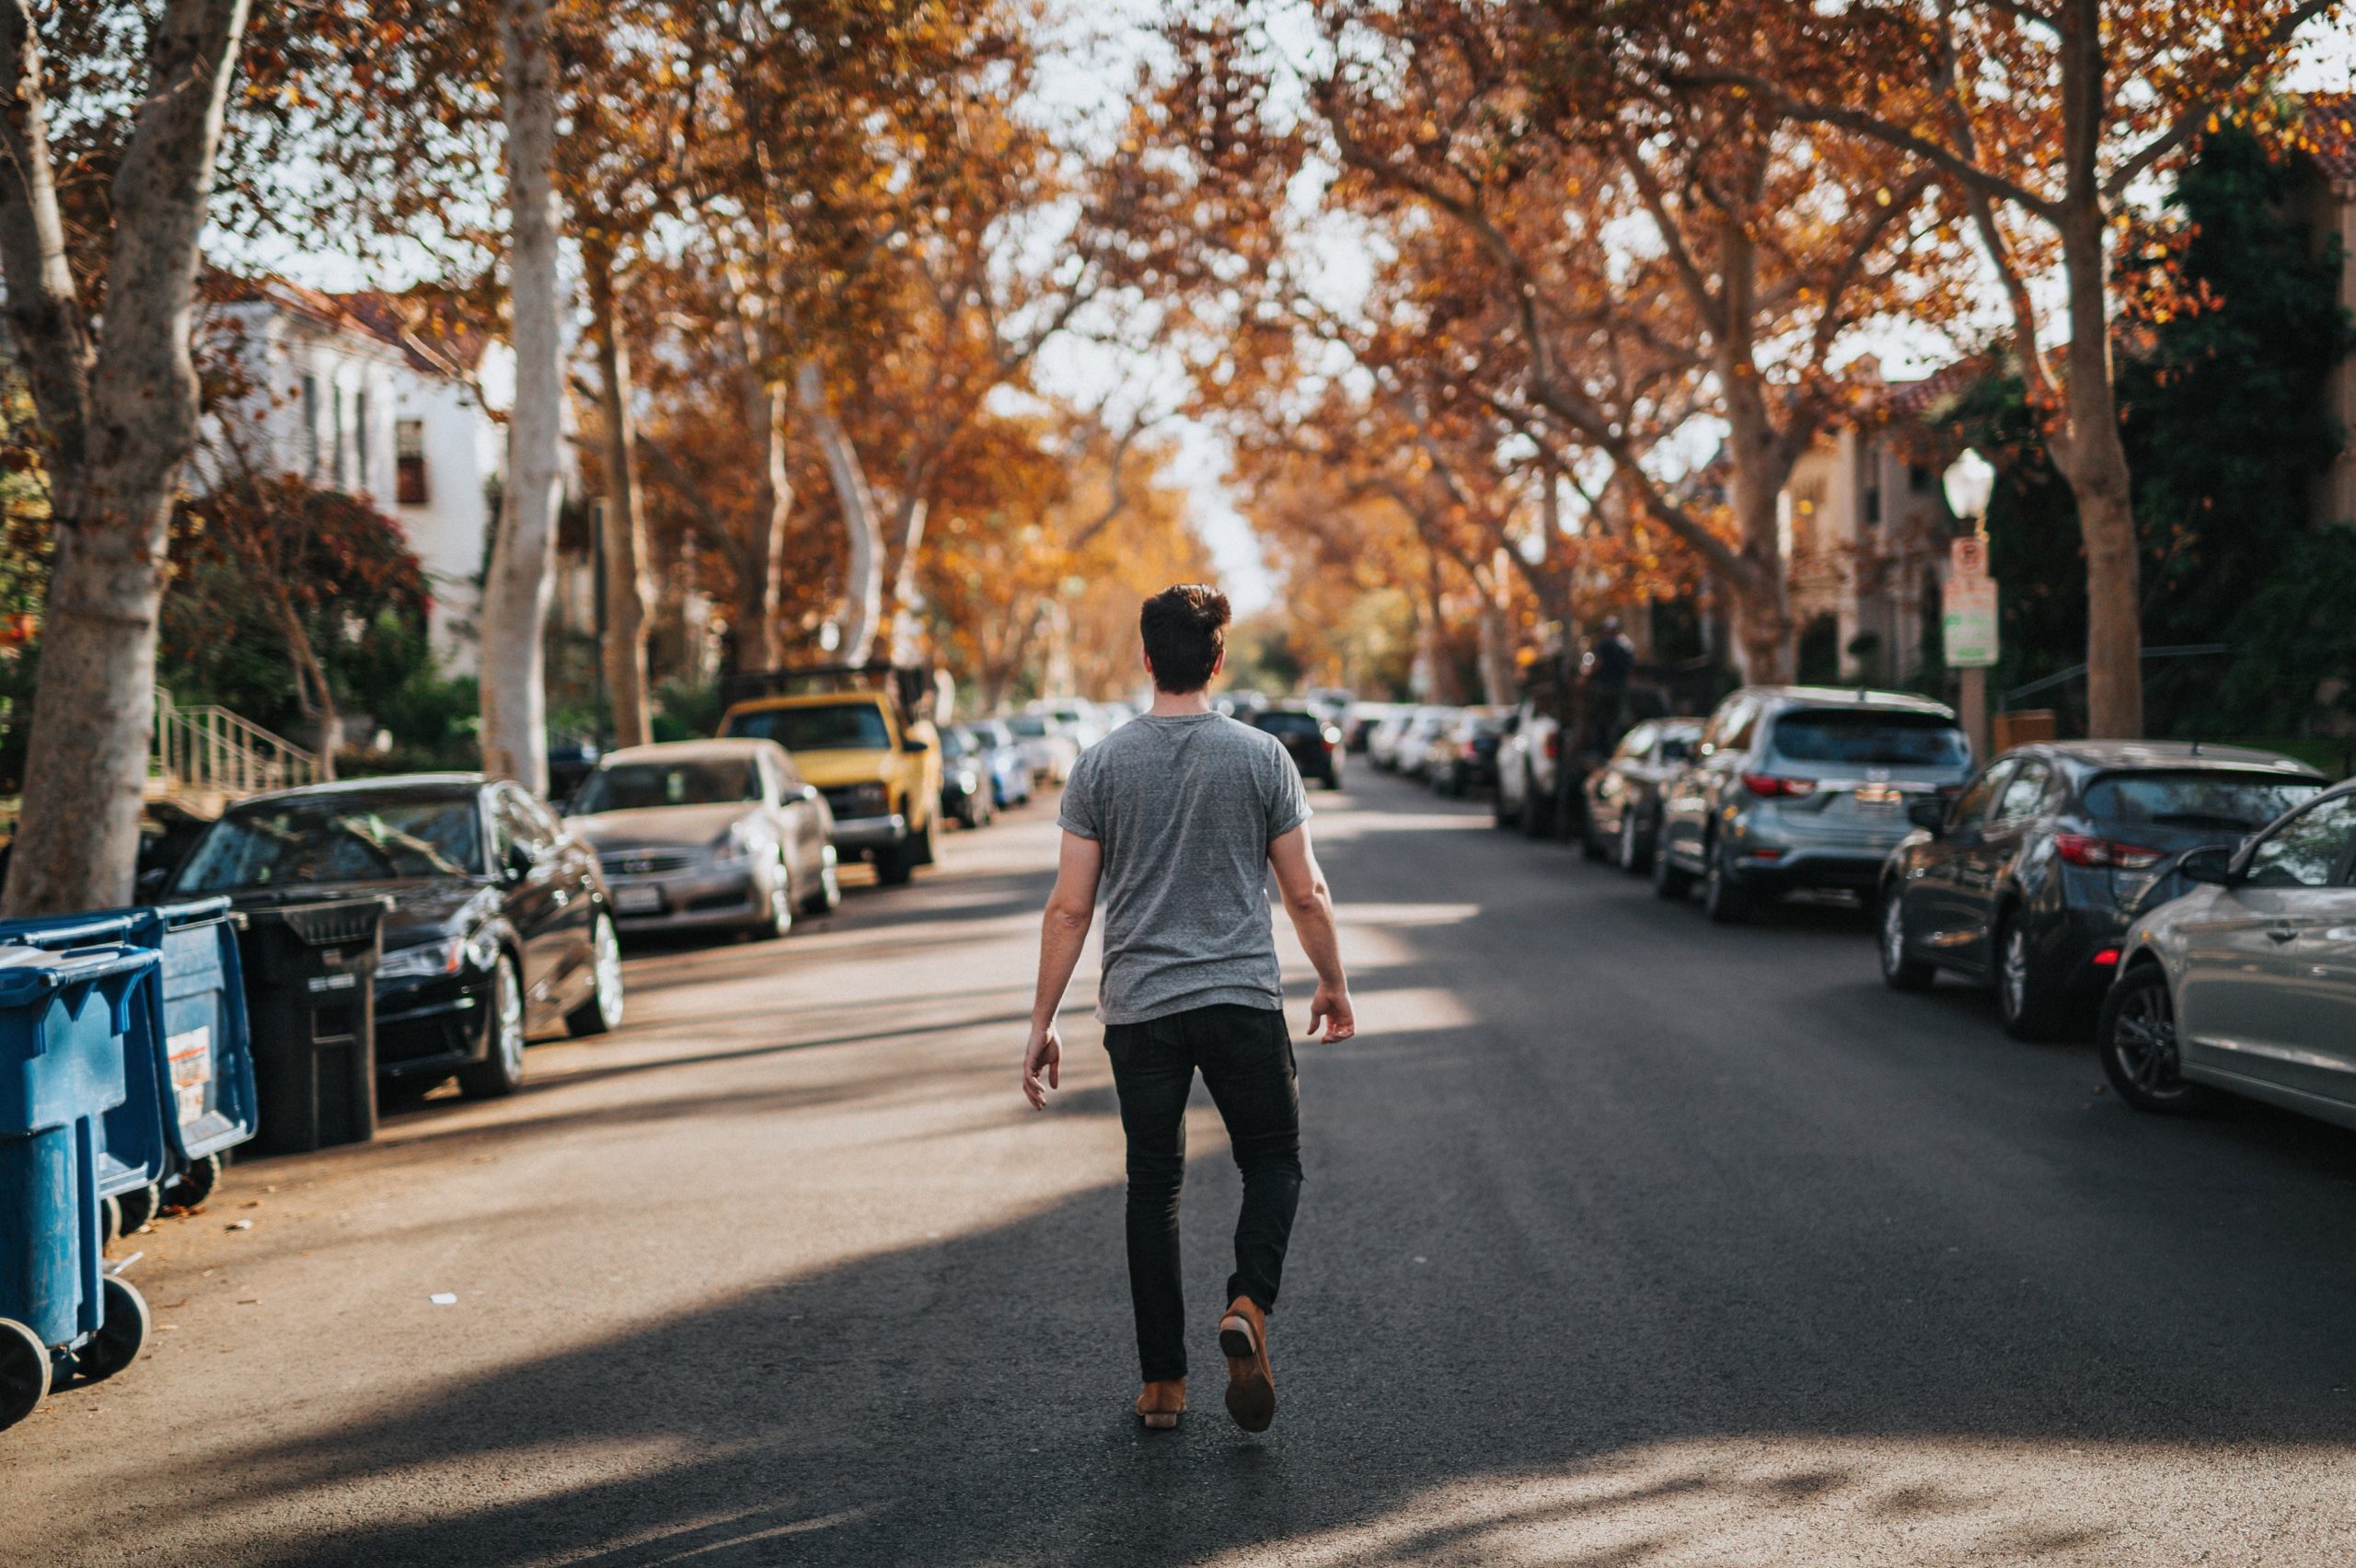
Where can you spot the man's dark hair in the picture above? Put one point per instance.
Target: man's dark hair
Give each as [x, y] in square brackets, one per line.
[1184, 630]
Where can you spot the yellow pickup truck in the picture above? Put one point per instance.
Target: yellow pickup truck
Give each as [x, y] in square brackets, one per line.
[879, 769]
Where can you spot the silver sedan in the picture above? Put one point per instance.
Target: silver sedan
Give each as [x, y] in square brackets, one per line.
[2248, 983]
[704, 835]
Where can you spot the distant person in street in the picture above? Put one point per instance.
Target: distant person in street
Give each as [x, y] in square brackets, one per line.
[1176, 819]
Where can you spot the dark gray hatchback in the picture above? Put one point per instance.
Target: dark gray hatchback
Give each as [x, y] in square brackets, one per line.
[2028, 881]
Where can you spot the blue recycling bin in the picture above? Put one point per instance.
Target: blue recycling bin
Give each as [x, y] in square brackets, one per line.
[66, 1017]
[189, 1094]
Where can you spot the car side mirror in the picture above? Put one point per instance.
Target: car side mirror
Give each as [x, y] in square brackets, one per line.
[2212, 863]
[1931, 814]
[152, 883]
[914, 745]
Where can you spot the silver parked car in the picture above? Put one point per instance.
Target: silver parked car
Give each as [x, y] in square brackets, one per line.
[2248, 983]
[1801, 787]
[1047, 747]
[696, 835]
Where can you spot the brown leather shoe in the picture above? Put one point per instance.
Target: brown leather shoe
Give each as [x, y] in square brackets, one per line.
[1163, 1401]
[1251, 1386]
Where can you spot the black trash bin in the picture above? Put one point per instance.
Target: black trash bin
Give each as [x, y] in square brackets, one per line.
[310, 972]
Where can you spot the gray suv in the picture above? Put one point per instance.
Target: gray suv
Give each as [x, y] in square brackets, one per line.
[1801, 787]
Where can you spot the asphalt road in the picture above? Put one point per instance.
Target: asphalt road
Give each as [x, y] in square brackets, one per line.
[1626, 1239]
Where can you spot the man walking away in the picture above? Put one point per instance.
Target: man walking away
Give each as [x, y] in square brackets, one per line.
[1176, 818]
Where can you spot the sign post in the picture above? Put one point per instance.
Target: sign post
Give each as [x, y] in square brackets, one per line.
[1967, 607]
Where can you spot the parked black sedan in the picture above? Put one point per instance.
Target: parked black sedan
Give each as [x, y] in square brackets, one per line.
[1314, 740]
[2028, 881]
[1623, 793]
[500, 928]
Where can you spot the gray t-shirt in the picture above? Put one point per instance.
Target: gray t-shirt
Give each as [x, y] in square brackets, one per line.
[1186, 808]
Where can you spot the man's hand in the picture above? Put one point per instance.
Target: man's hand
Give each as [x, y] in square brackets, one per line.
[1044, 1055]
[1332, 1003]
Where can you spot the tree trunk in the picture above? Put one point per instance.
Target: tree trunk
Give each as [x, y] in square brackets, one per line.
[312, 676]
[1763, 614]
[907, 624]
[1497, 639]
[123, 420]
[2094, 461]
[863, 590]
[623, 538]
[523, 562]
[759, 554]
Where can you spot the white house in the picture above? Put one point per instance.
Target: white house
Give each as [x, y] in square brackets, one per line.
[1866, 530]
[361, 393]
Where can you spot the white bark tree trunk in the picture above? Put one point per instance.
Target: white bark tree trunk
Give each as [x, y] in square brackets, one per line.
[863, 590]
[516, 599]
[121, 416]
[622, 540]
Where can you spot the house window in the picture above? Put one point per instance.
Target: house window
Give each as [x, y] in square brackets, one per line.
[409, 462]
[310, 427]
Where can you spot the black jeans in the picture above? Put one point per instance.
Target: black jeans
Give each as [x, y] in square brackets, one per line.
[1245, 1054]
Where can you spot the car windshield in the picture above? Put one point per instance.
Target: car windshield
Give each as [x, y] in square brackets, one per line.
[639, 786]
[336, 839]
[1030, 726]
[1875, 738]
[846, 726]
[2229, 803]
[1279, 722]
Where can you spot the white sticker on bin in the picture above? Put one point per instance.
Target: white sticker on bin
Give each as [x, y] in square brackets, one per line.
[190, 1051]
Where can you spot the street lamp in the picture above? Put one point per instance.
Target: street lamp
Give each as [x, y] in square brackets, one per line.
[1970, 480]
[1968, 598]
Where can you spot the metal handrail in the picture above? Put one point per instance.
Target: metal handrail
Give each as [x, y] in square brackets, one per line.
[207, 748]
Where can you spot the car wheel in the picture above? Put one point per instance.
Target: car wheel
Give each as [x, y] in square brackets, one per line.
[2137, 1042]
[896, 865]
[921, 847]
[2024, 1000]
[1670, 880]
[778, 921]
[1537, 811]
[829, 895]
[501, 1071]
[1590, 847]
[1900, 970]
[1724, 898]
[603, 1010]
[1503, 813]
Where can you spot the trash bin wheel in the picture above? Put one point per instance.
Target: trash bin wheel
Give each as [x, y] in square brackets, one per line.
[110, 1222]
[24, 1372]
[195, 1184]
[139, 1205]
[117, 1343]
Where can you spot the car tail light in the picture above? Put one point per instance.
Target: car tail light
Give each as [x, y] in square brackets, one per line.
[1771, 785]
[2107, 958]
[1554, 744]
[2104, 854]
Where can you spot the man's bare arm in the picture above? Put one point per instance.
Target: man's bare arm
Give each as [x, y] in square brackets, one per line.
[1063, 931]
[1310, 905]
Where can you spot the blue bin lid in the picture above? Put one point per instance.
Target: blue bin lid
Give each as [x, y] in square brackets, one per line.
[30, 974]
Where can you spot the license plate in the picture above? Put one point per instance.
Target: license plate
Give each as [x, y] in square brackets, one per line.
[638, 900]
[191, 1058]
